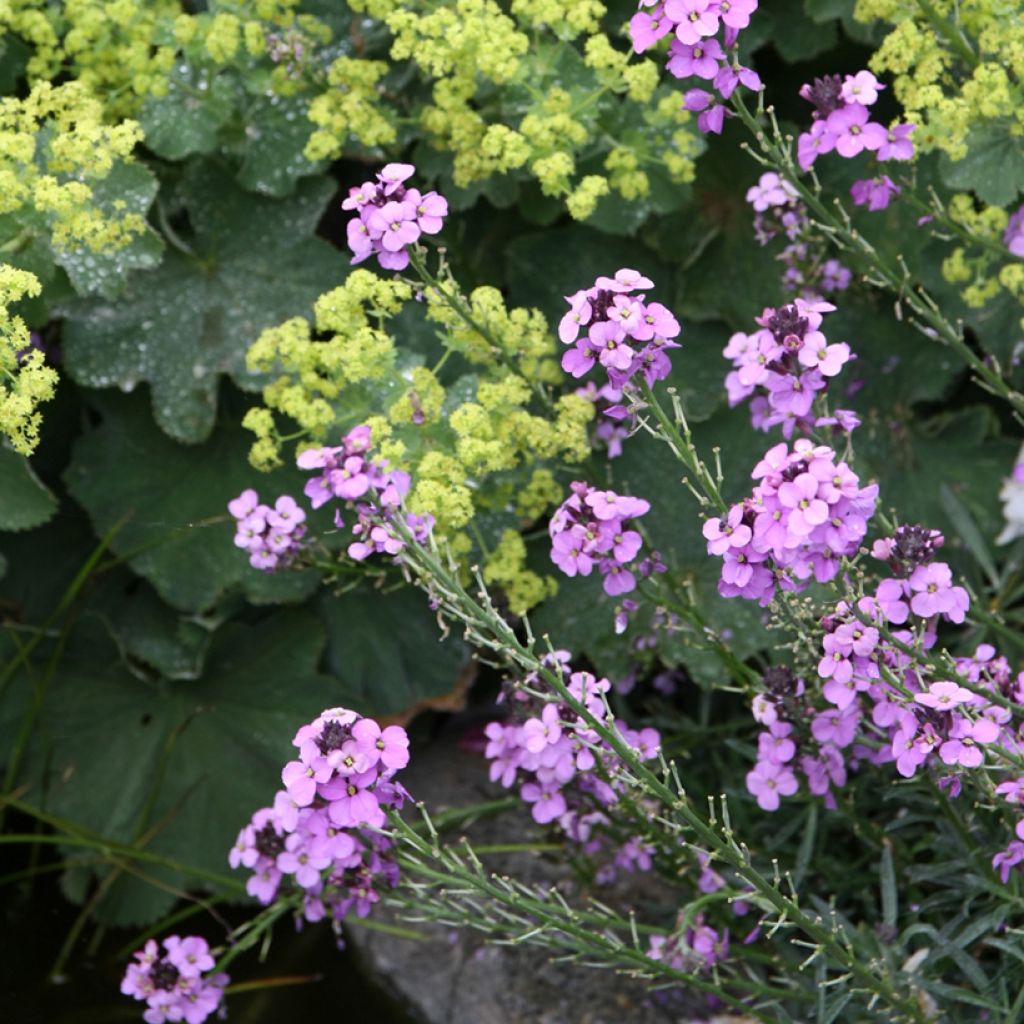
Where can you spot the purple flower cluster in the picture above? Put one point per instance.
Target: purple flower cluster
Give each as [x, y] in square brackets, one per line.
[390, 217]
[876, 702]
[272, 536]
[693, 948]
[625, 334]
[841, 122]
[565, 770]
[786, 365]
[592, 527]
[921, 586]
[1013, 236]
[375, 492]
[319, 837]
[696, 51]
[805, 514]
[778, 211]
[176, 983]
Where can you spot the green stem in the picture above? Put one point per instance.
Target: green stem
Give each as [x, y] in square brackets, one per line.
[486, 627]
[949, 33]
[898, 281]
[681, 443]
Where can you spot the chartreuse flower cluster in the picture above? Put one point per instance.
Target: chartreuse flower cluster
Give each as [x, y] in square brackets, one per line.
[125, 51]
[958, 66]
[539, 92]
[129, 51]
[25, 379]
[983, 267]
[487, 441]
[54, 147]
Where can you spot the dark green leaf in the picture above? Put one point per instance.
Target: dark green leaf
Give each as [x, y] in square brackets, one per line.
[387, 651]
[181, 326]
[132, 186]
[179, 534]
[186, 762]
[912, 460]
[276, 133]
[25, 501]
[994, 166]
[188, 119]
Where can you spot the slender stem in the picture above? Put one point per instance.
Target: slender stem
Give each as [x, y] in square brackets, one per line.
[897, 280]
[487, 628]
[681, 443]
[949, 32]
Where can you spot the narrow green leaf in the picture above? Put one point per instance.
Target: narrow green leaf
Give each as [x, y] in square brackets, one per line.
[965, 525]
[887, 878]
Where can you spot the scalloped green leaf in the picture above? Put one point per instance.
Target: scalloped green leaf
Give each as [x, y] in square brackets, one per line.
[994, 165]
[254, 264]
[128, 188]
[276, 133]
[178, 534]
[187, 120]
[387, 651]
[183, 763]
[25, 501]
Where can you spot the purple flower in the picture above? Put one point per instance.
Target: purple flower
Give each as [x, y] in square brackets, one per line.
[768, 782]
[853, 131]
[933, 593]
[736, 13]
[645, 29]
[701, 58]
[897, 145]
[1013, 236]
[944, 696]
[874, 193]
[389, 746]
[391, 217]
[695, 19]
[817, 142]
[175, 985]
[862, 88]
[548, 802]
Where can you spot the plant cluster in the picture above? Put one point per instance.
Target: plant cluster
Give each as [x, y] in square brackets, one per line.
[404, 255]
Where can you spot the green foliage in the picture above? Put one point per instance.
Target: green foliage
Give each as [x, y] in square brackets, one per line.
[181, 741]
[993, 168]
[177, 533]
[384, 649]
[150, 682]
[25, 501]
[246, 264]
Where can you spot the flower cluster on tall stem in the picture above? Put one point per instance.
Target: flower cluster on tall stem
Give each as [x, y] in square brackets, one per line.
[565, 770]
[704, 46]
[881, 699]
[609, 325]
[273, 537]
[778, 210]
[368, 487]
[320, 838]
[593, 528]
[804, 515]
[786, 366]
[841, 122]
[178, 983]
[391, 217]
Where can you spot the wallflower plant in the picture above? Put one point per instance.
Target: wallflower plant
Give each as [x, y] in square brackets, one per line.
[615, 390]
